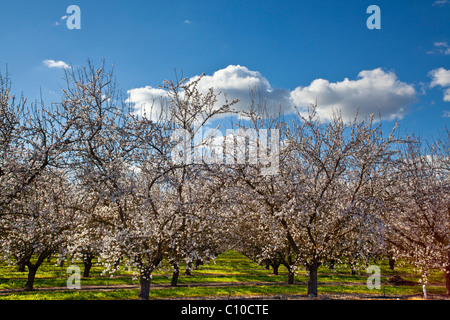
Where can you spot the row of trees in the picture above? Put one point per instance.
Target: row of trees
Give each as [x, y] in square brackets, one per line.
[90, 178]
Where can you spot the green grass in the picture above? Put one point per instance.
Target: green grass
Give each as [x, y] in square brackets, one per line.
[231, 274]
[192, 292]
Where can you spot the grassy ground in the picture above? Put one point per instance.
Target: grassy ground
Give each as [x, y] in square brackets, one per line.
[230, 275]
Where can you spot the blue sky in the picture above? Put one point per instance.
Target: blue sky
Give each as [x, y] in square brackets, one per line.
[284, 46]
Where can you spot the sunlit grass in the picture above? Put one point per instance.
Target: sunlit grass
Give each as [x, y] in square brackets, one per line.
[225, 291]
[231, 274]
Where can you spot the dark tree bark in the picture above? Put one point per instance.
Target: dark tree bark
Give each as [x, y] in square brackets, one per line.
[352, 268]
[187, 272]
[291, 275]
[275, 267]
[312, 281]
[332, 263]
[21, 266]
[198, 263]
[31, 276]
[87, 261]
[117, 263]
[175, 275]
[145, 281]
[447, 279]
[32, 269]
[391, 263]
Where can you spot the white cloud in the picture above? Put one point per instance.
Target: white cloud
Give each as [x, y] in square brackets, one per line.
[187, 21]
[441, 3]
[441, 44]
[233, 82]
[56, 64]
[447, 95]
[441, 77]
[440, 48]
[375, 91]
[57, 23]
[148, 101]
[237, 81]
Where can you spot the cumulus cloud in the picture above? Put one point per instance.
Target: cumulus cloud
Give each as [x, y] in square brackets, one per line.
[441, 77]
[148, 101]
[233, 82]
[237, 82]
[56, 64]
[375, 91]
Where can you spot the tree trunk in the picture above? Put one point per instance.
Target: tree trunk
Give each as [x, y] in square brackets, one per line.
[188, 269]
[312, 281]
[391, 263]
[144, 281]
[31, 275]
[87, 261]
[21, 266]
[32, 269]
[117, 263]
[175, 275]
[198, 263]
[332, 262]
[447, 279]
[352, 268]
[275, 267]
[291, 275]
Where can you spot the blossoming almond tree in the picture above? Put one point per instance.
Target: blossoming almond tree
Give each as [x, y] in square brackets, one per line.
[126, 160]
[41, 224]
[421, 220]
[87, 239]
[254, 195]
[338, 167]
[33, 138]
[168, 184]
[105, 159]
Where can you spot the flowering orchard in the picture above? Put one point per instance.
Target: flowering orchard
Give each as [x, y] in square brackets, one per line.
[89, 178]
